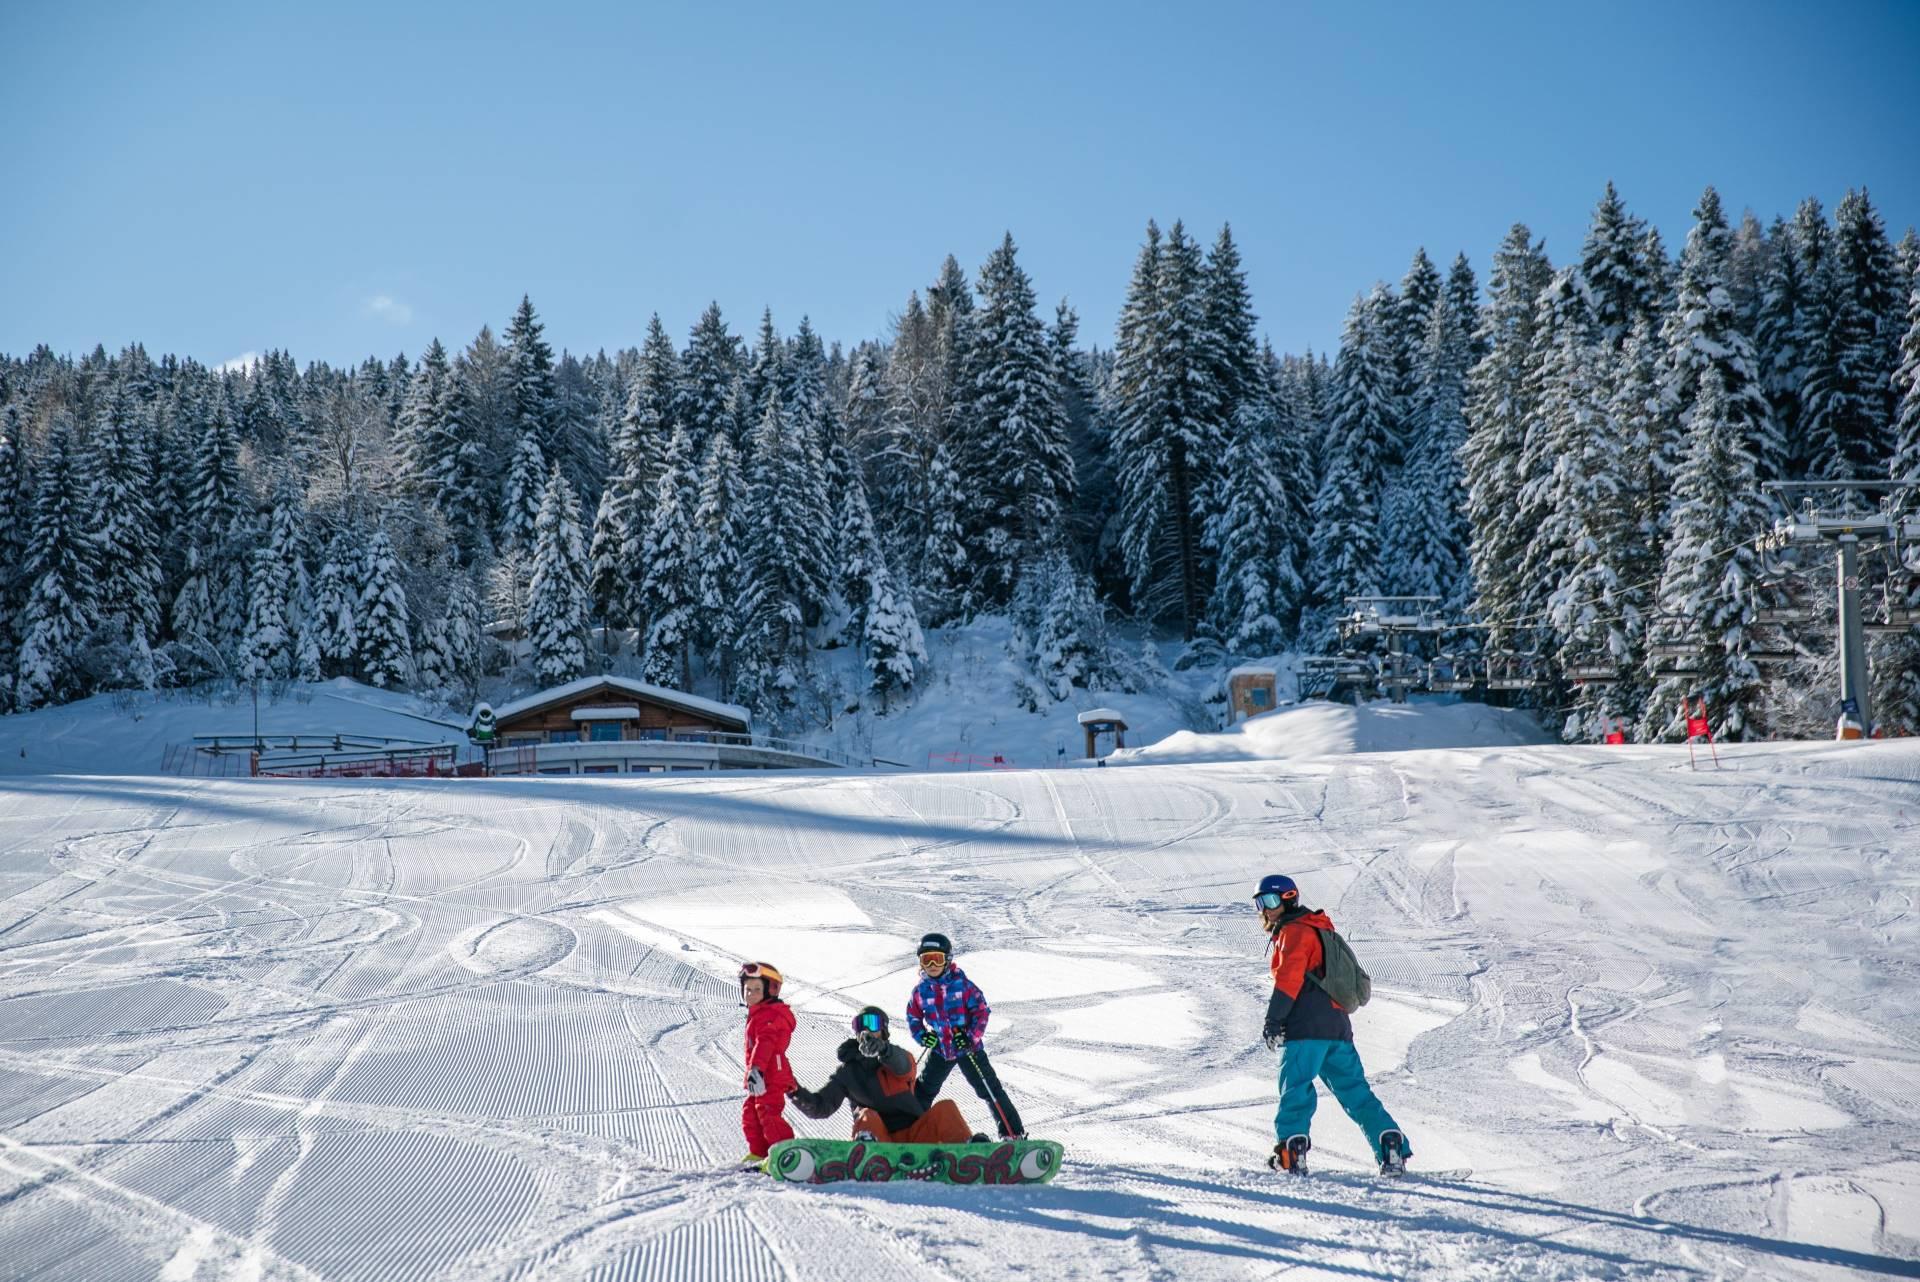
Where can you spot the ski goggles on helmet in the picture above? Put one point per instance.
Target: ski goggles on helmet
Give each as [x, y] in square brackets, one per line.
[1272, 900]
[870, 1022]
[933, 959]
[759, 970]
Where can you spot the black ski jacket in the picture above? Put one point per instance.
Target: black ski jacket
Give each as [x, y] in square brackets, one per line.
[858, 1080]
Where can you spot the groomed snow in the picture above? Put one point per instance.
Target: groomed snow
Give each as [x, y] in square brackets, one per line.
[487, 1028]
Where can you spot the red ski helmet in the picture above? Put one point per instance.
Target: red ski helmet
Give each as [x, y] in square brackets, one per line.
[764, 971]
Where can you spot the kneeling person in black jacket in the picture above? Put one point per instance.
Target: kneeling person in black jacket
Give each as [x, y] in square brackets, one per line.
[875, 1078]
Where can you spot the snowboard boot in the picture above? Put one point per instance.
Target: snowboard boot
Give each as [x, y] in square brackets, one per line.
[1291, 1156]
[1393, 1154]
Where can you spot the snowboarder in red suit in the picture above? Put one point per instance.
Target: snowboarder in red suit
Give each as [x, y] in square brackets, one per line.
[769, 1077]
[948, 1015]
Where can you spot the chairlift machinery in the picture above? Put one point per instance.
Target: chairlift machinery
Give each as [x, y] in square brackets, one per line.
[1395, 618]
[1449, 673]
[1835, 514]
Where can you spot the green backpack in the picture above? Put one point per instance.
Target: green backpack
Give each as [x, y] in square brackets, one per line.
[1342, 978]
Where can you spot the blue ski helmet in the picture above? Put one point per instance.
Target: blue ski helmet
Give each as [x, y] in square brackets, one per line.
[1276, 891]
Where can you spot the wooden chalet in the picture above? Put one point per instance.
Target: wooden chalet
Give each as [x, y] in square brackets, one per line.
[608, 709]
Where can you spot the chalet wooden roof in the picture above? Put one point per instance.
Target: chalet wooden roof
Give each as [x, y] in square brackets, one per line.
[726, 715]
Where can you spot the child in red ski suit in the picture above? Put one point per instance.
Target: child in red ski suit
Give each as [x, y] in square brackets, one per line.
[769, 1076]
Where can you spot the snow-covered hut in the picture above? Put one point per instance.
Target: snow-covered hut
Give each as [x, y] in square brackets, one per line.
[1099, 721]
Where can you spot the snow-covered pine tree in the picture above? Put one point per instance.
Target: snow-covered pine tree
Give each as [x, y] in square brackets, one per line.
[1560, 310]
[648, 418]
[557, 597]
[426, 397]
[457, 639]
[385, 624]
[531, 395]
[16, 508]
[1346, 526]
[1462, 293]
[1906, 384]
[1819, 448]
[1854, 403]
[720, 524]
[780, 568]
[267, 644]
[861, 557]
[869, 414]
[1060, 632]
[1746, 270]
[803, 372]
[1648, 427]
[1407, 316]
[336, 599]
[703, 400]
[1230, 320]
[610, 572]
[1776, 342]
[521, 499]
[1705, 330]
[1074, 374]
[1897, 691]
[765, 373]
[1712, 564]
[1587, 527]
[1500, 403]
[1612, 268]
[1167, 433]
[891, 635]
[62, 593]
[1424, 524]
[126, 539]
[1016, 463]
[670, 589]
[1292, 453]
[1257, 596]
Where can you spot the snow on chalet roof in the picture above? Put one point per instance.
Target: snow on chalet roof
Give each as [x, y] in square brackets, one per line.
[1092, 715]
[1254, 670]
[653, 693]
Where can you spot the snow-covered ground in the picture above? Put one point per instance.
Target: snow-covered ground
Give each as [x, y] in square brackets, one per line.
[487, 1028]
[128, 734]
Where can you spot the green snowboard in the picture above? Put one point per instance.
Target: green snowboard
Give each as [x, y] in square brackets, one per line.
[807, 1161]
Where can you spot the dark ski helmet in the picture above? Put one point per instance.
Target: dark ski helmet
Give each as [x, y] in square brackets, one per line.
[764, 971]
[871, 1019]
[935, 942]
[1276, 892]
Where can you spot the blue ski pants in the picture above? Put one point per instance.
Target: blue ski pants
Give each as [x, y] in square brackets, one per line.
[1338, 1065]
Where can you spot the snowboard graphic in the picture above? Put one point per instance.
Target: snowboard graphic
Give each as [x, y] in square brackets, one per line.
[809, 1161]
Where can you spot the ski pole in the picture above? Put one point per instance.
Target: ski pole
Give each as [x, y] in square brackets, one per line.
[992, 1099]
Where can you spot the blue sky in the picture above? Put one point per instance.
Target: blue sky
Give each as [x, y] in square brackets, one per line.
[352, 179]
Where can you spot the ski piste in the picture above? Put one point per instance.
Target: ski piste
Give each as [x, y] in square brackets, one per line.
[810, 1161]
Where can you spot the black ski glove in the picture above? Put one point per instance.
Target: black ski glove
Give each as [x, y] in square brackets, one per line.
[929, 1039]
[962, 1040]
[1275, 1038]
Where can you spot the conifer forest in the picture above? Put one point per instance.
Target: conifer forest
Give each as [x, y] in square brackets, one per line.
[1569, 455]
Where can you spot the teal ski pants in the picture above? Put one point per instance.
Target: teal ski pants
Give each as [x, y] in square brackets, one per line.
[1338, 1065]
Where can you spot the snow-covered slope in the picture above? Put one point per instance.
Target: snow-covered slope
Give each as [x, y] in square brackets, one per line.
[484, 1029]
[128, 734]
[1319, 729]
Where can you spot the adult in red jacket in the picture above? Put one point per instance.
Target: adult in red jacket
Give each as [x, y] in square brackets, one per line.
[1317, 1035]
[769, 1077]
